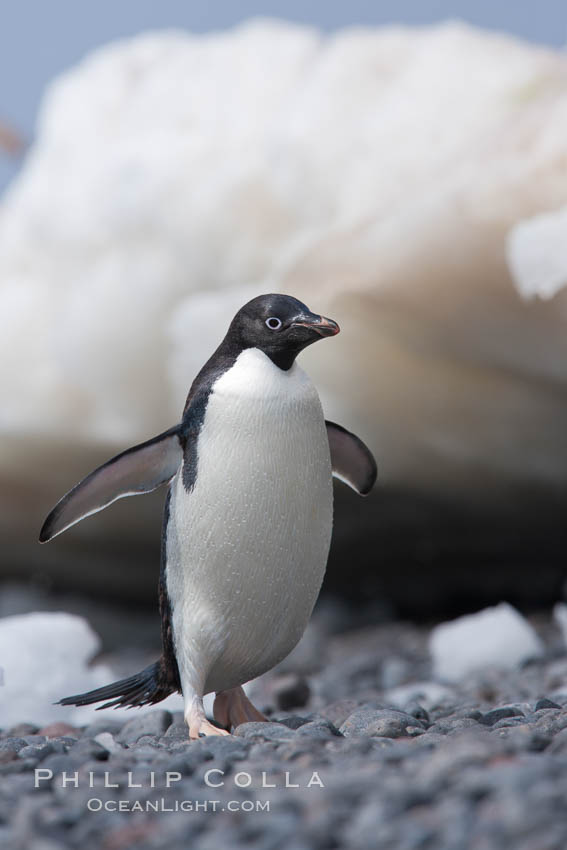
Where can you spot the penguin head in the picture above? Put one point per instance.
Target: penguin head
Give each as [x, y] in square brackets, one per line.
[280, 326]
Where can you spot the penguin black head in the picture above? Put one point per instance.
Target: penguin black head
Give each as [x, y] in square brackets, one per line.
[280, 326]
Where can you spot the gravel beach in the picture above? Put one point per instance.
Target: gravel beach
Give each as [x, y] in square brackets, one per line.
[365, 750]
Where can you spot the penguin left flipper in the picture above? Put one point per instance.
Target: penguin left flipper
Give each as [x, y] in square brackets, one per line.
[352, 461]
[140, 469]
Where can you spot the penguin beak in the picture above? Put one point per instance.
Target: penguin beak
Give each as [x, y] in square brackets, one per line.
[319, 324]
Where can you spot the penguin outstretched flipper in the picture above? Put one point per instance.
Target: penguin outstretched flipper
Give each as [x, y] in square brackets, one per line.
[140, 469]
[352, 461]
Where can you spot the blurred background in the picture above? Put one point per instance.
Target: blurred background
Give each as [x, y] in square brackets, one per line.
[399, 166]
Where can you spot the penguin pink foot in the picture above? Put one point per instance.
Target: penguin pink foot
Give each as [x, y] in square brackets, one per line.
[197, 721]
[232, 707]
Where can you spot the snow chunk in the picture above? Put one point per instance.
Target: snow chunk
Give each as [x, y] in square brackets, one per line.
[427, 694]
[44, 657]
[537, 254]
[495, 637]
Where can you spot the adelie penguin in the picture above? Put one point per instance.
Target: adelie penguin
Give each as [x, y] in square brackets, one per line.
[248, 516]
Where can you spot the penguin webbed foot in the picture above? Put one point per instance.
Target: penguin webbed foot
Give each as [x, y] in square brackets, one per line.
[199, 725]
[232, 707]
[207, 728]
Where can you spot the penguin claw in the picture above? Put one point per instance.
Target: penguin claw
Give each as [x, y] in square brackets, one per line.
[204, 729]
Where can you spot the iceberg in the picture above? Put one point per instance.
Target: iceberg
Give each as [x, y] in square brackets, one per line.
[497, 637]
[46, 656]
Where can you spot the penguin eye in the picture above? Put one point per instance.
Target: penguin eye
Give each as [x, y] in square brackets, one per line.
[274, 323]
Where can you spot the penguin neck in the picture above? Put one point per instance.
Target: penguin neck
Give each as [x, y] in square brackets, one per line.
[284, 360]
[255, 378]
[231, 348]
[220, 362]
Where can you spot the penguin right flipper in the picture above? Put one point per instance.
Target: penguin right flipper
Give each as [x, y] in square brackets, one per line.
[140, 469]
[352, 461]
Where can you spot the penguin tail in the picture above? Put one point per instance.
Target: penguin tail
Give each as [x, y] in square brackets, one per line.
[150, 685]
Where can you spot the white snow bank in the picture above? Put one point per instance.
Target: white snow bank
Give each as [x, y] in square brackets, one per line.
[537, 254]
[374, 173]
[44, 657]
[495, 637]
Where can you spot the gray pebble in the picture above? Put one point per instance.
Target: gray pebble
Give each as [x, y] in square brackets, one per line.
[353, 746]
[86, 748]
[559, 742]
[17, 765]
[450, 725]
[303, 749]
[496, 714]
[191, 759]
[384, 723]
[294, 721]
[523, 738]
[227, 746]
[178, 729]
[35, 740]
[321, 728]
[428, 739]
[105, 723]
[12, 744]
[58, 764]
[338, 711]
[456, 712]
[552, 722]
[416, 710]
[267, 731]
[509, 722]
[146, 741]
[41, 752]
[152, 723]
[544, 703]
[106, 740]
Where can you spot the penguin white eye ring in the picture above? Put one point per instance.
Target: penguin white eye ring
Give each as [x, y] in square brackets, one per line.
[274, 323]
[222, 583]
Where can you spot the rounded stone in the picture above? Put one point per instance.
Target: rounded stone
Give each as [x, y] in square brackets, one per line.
[497, 714]
[383, 723]
[154, 723]
[267, 731]
[545, 703]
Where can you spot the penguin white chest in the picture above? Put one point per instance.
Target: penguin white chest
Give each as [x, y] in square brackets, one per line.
[248, 545]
